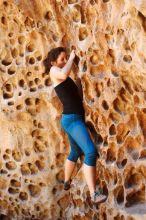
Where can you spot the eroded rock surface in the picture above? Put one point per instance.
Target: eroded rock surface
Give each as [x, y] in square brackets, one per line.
[110, 40]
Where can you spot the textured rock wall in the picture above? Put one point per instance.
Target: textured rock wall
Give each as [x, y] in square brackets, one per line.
[110, 40]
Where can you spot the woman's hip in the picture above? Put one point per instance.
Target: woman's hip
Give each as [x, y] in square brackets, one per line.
[67, 120]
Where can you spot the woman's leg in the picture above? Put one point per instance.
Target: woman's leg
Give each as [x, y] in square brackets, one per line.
[76, 128]
[79, 133]
[69, 169]
[70, 164]
[90, 176]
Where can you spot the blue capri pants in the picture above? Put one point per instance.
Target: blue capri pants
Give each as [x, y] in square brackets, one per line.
[79, 138]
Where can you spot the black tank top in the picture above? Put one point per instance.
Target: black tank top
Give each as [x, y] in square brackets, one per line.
[67, 91]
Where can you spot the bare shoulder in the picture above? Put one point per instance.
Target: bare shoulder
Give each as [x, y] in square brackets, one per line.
[52, 68]
[54, 75]
[53, 71]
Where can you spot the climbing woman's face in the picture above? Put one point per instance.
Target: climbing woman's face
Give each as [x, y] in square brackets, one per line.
[61, 60]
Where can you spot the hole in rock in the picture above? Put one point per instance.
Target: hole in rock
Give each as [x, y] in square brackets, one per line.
[111, 52]
[29, 73]
[76, 60]
[21, 82]
[37, 101]
[34, 89]
[105, 143]
[3, 171]
[100, 139]
[119, 194]
[5, 3]
[6, 157]
[3, 20]
[32, 60]
[29, 101]
[23, 196]
[72, 1]
[13, 190]
[30, 47]
[49, 15]
[54, 190]
[122, 163]
[8, 87]
[7, 95]
[114, 73]
[105, 105]
[38, 208]
[10, 103]
[127, 85]
[111, 154]
[115, 117]
[143, 19]
[47, 82]
[98, 89]
[142, 154]
[19, 107]
[83, 16]
[37, 81]
[127, 58]
[8, 151]
[39, 58]
[11, 70]
[84, 68]
[83, 33]
[105, 1]
[132, 180]
[60, 176]
[6, 62]
[20, 93]
[119, 217]
[118, 105]
[135, 197]
[40, 125]
[15, 183]
[21, 39]
[112, 130]
[60, 159]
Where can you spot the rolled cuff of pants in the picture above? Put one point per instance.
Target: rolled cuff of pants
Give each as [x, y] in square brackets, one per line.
[90, 159]
[73, 157]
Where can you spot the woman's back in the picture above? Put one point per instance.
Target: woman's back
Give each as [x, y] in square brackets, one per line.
[67, 91]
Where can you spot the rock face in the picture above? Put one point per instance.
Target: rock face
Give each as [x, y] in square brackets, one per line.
[110, 40]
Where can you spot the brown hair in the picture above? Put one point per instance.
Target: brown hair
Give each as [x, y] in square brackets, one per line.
[52, 56]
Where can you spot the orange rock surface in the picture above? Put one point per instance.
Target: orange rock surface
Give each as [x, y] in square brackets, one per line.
[110, 40]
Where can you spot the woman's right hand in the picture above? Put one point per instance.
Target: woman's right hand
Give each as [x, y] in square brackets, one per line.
[72, 54]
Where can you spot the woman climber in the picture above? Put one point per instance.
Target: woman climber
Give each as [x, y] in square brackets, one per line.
[72, 120]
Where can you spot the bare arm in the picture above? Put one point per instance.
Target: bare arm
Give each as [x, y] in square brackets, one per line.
[62, 73]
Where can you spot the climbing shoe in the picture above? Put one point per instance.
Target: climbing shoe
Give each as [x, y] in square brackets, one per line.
[98, 197]
[67, 185]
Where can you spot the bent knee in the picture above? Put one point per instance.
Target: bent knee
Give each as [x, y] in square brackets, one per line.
[90, 158]
[91, 152]
[73, 156]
